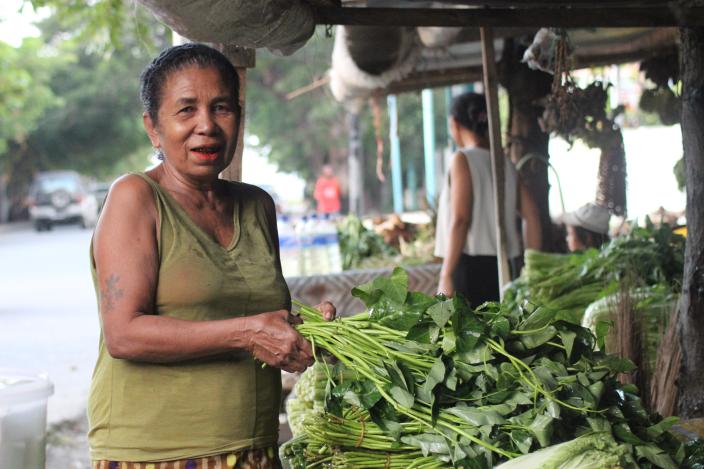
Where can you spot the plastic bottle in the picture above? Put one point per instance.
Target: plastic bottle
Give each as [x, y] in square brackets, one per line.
[288, 247]
[304, 243]
[317, 264]
[328, 230]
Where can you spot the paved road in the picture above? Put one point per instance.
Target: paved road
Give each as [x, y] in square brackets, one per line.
[48, 314]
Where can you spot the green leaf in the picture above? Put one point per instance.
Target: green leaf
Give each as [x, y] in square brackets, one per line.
[602, 331]
[617, 365]
[362, 394]
[384, 415]
[467, 328]
[500, 327]
[441, 312]
[522, 439]
[624, 433]
[435, 376]
[394, 288]
[429, 443]
[477, 417]
[599, 424]
[422, 332]
[568, 341]
[448, 342]
[479, 354]
[538, 319]
[656, 456]
[397, 286]
[538, 338]
[451, 380]
[661, 427]
[402, 396]
[542, 429]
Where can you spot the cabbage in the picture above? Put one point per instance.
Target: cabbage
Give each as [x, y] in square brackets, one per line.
[592, 451]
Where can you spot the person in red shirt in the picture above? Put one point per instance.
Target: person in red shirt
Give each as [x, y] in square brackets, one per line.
[327, 192]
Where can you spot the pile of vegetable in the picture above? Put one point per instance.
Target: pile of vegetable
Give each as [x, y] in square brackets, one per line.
[358, 244]
[647, 256]
[390, 243]
[422, 381]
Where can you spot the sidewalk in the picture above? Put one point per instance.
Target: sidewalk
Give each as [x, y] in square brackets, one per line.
[15, 226]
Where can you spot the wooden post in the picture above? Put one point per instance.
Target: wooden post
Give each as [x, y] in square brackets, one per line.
[242, 58]
[396, 170]
[691, 318]
[429, 146]
[525, 88]
[497, 154]
[354, 164]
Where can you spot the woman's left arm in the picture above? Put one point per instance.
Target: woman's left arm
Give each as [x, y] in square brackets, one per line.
[460, 220]
[532, 234]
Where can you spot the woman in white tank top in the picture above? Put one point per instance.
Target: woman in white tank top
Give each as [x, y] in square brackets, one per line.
[465, 232]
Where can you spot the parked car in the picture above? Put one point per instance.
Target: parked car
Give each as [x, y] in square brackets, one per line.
[100, 190]
[62, 197]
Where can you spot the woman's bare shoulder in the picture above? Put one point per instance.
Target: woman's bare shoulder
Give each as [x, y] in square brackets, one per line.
[130, 194]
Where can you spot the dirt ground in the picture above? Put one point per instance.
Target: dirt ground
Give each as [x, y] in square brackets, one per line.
[67, 445]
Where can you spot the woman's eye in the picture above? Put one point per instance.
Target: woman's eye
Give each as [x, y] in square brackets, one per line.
[222, 108]
[186, 109]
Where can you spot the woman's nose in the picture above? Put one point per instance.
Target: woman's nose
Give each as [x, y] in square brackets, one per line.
[205, 122]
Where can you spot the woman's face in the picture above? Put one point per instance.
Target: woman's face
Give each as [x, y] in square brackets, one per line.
[198, 123]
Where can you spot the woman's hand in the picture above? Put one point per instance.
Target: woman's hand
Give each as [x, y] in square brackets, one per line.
[327, 309]
[273, 341]
[445, 285]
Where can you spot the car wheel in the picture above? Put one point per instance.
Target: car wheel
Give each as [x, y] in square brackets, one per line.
[42, 225]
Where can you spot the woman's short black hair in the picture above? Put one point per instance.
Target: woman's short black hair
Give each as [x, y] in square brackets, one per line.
[176, 58]
[589, 238]
[469, 110]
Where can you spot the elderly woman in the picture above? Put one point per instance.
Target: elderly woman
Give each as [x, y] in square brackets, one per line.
[465, 230]
[587, 227]
[193, 305]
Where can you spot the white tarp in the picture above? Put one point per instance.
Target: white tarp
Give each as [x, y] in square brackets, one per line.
[282, 26]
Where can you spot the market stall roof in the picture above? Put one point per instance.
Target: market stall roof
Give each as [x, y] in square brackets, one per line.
[286, 25]
[390, 46]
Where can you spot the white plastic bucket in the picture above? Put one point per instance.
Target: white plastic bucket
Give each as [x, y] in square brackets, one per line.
[23, 398]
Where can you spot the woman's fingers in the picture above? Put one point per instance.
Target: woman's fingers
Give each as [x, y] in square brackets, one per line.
[328, 310]
[278, 344]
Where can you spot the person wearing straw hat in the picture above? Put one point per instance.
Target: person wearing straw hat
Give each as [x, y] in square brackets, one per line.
[587, 227]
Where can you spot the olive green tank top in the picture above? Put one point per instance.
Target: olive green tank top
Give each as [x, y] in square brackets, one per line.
[157, 412]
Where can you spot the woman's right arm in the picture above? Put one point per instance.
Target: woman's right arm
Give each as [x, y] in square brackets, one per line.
[126, 258]
[460, 220]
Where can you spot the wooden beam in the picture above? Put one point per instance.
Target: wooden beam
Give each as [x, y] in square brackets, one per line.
[515, 3]
[491, 84]
[575, 17]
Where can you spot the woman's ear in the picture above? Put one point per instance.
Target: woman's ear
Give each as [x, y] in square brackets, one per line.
[150, 127]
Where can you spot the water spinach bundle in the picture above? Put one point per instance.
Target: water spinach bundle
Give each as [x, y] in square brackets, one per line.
[647, 256]
[428, 379]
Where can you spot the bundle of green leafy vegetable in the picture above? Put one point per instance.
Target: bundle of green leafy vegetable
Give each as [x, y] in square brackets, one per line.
[358, 243]
[468, 388]
[646, 256]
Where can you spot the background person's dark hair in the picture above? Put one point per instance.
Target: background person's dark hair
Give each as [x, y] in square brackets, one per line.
[469, 110]
[589, 238]
[175, 58]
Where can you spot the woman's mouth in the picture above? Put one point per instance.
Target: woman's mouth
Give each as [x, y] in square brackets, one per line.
[207, 152]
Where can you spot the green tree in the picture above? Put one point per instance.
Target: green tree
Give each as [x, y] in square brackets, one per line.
[67, 102]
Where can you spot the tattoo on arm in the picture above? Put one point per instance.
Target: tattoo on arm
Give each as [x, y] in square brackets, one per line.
[110, 295]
